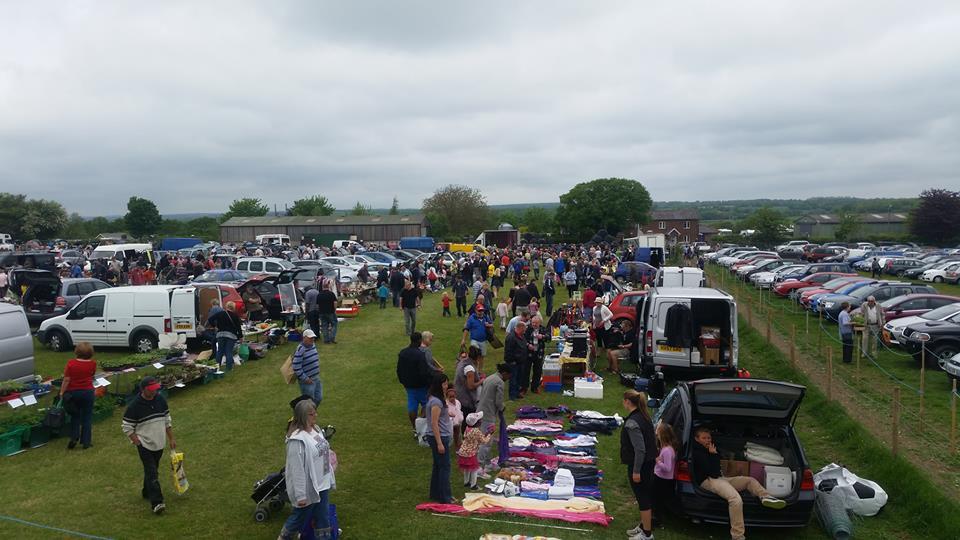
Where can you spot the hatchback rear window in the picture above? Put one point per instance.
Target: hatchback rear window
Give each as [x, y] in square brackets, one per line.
[745, 400]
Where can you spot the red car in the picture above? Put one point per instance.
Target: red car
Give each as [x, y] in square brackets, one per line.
[786, 287]
[910, 305]
[820, 253]
[831, 286]
[228, 293]
[753, 260]
[624, 306]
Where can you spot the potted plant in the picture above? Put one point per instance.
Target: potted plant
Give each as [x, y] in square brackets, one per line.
[10, 390]
[15, 429]
[103, 408]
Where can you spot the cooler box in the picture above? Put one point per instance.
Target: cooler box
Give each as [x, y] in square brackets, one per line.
[553, 387]
[779, 480]
[582, 388]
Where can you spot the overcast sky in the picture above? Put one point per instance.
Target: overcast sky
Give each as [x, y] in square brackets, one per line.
[193, 104]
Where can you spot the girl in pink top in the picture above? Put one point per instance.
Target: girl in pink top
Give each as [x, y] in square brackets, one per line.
[664, 484]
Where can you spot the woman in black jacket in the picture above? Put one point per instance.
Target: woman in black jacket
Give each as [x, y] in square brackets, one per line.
[229, 331]
[638, 451]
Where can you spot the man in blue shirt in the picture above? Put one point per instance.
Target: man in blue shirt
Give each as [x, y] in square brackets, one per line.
[846, 332]
[476, 330]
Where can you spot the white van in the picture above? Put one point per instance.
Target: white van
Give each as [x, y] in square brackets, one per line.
[676, 276]
[344, 244]
[267, 239]
[16, 344]
[133, 317]
[122, 251]
[677, 323]
[253, 266]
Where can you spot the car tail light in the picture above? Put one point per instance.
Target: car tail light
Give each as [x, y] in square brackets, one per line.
[683, 471]
[807, 483]
[167, 326]
[61, 301]
[276, 297]
[649, 341]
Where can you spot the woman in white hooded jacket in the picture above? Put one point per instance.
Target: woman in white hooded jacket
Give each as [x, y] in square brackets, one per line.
[308, 475]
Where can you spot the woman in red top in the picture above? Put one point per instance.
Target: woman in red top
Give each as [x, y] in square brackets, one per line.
[76, 393]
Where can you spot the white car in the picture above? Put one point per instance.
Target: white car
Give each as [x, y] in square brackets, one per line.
[952, 366]
[764, 280]
[893, 329]
[343, 262]
[263, 265]
[938, 274]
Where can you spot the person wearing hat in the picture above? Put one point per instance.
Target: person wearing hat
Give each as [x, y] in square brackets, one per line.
[475, 329]
[306, 366]
[873, 320]
[467, 454]
[147, 424]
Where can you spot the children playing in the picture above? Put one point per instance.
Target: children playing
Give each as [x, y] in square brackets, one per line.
[467, 455]
[502, 313]
[383, 292]
[445, 300]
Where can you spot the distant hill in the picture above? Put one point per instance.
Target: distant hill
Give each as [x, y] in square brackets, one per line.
[793, 208]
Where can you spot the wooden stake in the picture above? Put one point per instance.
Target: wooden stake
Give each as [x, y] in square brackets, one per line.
[830, 373]
[807, 318]
[923, 384]
[896, 420]
[768, 328]
[793, 354]
[820, 341]
[953, 419]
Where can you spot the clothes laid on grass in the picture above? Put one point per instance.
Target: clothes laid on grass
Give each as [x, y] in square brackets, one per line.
[564, 515]
[576, 441]
[477, 501]
[535, 427]
[531, 412]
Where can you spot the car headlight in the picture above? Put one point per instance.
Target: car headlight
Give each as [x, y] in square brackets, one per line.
[921, 336]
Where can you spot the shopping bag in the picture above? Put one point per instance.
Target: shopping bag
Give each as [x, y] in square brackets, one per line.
[55, 418]
[287, 370]
[180, 482]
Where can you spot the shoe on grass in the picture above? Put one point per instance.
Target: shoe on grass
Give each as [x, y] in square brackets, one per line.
[773, 502]
[635, 531]
[641, 536]
[159, 508]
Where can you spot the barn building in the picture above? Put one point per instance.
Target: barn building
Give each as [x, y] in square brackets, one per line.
[371, 228]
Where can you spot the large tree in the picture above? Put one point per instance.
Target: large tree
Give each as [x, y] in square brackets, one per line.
[848, 228]
[318, 205]
[142, 219]
[395, 207]
[768, 226]
[463, 209]
[936, 220]
[360, 210]
[612, 204]
[43, 219]
[12, 209]
[538, 220]
[246, 207]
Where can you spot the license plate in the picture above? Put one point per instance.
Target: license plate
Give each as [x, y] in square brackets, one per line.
[667, 348]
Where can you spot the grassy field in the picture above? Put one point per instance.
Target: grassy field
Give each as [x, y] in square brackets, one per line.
[232, 435]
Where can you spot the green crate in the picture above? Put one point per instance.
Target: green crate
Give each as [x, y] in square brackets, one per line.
[11, 442]
[39, 436]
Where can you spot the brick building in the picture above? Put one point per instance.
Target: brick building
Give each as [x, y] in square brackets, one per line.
[679, 226]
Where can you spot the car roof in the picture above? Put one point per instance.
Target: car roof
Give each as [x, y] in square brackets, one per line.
[691, 292]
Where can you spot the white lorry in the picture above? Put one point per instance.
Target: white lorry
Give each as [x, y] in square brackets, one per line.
[132, 317]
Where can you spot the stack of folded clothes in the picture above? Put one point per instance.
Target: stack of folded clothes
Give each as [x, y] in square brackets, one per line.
[535, 427]
[594, 422]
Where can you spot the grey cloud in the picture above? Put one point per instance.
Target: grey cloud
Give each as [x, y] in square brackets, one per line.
[195, 104]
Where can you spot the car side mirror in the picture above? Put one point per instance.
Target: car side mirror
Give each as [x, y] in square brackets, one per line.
[73, 315]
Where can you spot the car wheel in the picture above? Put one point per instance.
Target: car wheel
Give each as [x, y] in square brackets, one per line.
[937, 279]
[940, 355]
[58, 341]
[144, 342]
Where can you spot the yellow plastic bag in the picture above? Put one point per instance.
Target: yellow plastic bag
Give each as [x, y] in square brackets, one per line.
[180, 482]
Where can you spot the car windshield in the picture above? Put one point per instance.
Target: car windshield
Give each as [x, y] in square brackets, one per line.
[941, 312]
[834, 283]
[850, 287]
[863, 292]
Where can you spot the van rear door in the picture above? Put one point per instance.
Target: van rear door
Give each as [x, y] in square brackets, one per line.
[184, 310]
[664, 354]
[774, 401]
[120, 318]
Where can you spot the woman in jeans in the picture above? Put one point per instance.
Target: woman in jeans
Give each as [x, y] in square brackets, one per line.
[309, 474]
[229, 330]
[76, 392]
[439, 435]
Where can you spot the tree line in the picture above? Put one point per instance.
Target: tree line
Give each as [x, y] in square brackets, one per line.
[457, 212]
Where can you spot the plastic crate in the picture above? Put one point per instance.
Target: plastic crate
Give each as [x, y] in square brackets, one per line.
[553, 387]
[11, 442]
[583, 388]
[548, 380]
[39, 436]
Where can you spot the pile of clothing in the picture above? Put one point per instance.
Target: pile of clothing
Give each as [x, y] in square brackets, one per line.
[594, 422]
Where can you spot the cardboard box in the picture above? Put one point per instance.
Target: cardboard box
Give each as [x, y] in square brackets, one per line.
[711, 357]
[734, 467]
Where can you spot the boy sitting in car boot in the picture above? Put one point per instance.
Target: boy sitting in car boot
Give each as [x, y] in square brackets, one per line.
[708, 475]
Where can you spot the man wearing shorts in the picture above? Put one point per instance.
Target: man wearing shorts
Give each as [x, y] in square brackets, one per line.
[414, 375]
[475, 330]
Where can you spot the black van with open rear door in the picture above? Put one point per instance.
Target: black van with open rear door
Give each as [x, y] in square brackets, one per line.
[751, 420]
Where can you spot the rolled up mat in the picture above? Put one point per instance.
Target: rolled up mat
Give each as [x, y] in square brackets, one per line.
[833, 515]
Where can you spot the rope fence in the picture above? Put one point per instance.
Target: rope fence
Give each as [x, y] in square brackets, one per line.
[876, 391]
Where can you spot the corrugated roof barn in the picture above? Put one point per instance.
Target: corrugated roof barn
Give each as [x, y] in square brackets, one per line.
[371, 228]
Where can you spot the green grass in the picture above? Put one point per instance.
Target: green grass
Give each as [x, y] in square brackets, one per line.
[232, 434]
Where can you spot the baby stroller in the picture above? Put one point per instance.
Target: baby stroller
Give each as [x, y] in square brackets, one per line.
[270, 492]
